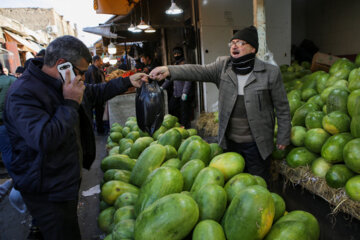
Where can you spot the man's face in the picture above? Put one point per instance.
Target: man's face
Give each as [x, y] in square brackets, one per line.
[80, 68]
[6, 71]
[239, 48]
[99, 63]
[18, 75]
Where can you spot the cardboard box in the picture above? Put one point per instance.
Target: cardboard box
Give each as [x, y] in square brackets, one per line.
[322, 61]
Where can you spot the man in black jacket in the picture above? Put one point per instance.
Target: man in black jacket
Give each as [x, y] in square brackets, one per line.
[49, 126]
[93, 75]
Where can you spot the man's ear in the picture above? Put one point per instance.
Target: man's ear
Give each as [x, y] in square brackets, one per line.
[60, 61]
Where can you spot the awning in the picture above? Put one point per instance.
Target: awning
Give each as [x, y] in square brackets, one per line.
[102, 30]
[29, 46]
[116, 7]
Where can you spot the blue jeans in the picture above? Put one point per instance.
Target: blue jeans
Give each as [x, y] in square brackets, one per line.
[15, 197]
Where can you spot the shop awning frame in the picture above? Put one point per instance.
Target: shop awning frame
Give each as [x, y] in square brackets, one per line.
[32, 47]
[102, 30]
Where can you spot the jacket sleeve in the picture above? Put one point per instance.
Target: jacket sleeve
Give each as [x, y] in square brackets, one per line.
[41, 130]
[166, 84]
[101, 92]
[187, 87]
[282, 108]
[201, 73]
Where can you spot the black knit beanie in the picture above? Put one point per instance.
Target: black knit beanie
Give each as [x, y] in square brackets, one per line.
[249, 35]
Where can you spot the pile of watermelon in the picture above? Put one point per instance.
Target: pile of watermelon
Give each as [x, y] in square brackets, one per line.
[174, 185]
[325, 134]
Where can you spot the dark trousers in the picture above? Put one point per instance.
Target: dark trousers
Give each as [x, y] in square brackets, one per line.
[99, 113]
[56, 220]
[181, 109]
[254, 164]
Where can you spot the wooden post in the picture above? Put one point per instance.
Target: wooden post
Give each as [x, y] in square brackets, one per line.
[260, 24]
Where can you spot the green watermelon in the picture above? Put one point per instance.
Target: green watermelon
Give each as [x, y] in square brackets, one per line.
[169, 218]
[351, 154]
[294, 94]
[353, 98]
[320, 166]
[357, 60]
[337, 101]
[297, 135]
[354, 79]
[338, 175]
[316, 99]
[294, 104]
[300, 114]
[321, 82]
[300, 156]
[336, 122]
[308, 93]
[296, 225]
[315, 139]
[355, 121]
[238, 183]
[314, 119]
[352, 188]
[332, 150]
[324, 94]
[208, 230]
[250, 214]
[280, 205]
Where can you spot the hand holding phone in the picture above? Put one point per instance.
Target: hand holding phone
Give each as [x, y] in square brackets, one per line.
[73, 87]
[62, 70]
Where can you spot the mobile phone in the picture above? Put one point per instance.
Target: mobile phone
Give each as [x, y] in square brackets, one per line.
[62, 70]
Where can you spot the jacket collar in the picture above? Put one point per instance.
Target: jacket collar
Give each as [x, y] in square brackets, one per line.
[258, 67]
[34, 69]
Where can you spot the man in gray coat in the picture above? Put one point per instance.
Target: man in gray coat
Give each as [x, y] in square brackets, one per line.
[251, 94]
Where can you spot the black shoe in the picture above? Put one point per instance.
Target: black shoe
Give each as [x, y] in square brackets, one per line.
[35, 234]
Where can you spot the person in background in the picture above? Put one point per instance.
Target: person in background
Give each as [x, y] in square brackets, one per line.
[5, 146]
[95, 74]
[41, 53]
[182, 96]
[148, 62]
[19, 71]
[123, 65]
[48, 120]
[5, 71]
[251, 94]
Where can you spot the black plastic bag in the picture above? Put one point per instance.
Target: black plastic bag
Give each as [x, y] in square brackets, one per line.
[150, 107]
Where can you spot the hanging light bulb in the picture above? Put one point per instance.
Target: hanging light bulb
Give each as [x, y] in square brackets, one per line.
[111, 48]
[137, 30]
[112, 60]
[106, 59]
[150, 29]
[142, 25]
[131, 27]
[174, 9]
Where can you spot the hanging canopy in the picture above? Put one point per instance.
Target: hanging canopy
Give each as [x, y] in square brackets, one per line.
[115, 7]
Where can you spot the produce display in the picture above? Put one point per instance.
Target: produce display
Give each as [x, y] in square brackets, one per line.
[174, 185]
[325, 134]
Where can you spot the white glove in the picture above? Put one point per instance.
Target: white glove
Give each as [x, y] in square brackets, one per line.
[184, 97]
